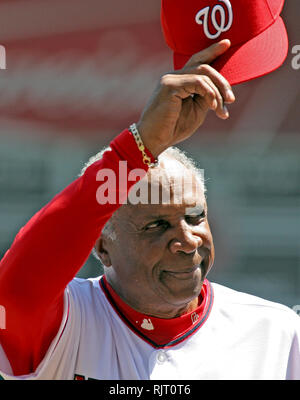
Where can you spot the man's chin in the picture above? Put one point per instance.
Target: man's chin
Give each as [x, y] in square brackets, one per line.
[182, 287]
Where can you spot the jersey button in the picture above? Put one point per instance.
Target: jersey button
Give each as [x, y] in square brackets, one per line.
[161, 357]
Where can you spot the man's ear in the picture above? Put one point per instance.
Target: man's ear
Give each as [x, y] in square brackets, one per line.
[102, 251]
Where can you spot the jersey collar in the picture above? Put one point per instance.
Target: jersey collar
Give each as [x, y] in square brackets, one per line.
[160, 332]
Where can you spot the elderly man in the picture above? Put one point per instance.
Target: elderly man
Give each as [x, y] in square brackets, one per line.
[153, 315]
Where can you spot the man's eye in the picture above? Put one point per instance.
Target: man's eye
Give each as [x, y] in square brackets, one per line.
[195, 219]
[157, 224]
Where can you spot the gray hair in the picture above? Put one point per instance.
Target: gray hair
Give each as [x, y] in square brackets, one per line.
[171, 153]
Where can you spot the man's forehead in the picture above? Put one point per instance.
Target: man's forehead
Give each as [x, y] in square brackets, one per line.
[170, 183]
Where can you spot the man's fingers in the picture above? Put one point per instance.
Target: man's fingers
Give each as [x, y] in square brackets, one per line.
[198, 64]
[207, 93]
[209, 54]
[184, 86]
[221, 109]
[219, 81]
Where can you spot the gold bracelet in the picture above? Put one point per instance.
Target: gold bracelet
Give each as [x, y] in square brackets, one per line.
[146, 159]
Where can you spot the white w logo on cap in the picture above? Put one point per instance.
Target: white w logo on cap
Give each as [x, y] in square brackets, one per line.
[220, 27]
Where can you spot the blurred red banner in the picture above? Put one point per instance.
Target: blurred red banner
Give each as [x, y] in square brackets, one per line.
[84, 68]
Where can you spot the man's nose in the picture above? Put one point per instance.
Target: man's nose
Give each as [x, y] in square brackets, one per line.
[185, 240]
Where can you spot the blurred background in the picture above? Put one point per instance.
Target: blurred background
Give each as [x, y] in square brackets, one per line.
[79, 72]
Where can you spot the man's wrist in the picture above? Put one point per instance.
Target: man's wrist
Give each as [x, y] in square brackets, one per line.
[149, 158]
[155, 147]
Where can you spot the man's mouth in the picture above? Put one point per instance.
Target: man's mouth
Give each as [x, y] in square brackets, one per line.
[184, 273]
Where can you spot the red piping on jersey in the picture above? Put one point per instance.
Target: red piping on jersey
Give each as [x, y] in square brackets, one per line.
[166, 332]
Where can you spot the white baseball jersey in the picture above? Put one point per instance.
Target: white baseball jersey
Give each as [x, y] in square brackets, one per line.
[243, 337]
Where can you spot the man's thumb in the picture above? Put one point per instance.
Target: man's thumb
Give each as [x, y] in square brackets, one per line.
[209, 54]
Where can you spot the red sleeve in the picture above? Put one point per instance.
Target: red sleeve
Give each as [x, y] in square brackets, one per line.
[47, 253]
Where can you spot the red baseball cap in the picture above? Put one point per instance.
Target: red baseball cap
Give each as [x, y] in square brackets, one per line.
[259, 41]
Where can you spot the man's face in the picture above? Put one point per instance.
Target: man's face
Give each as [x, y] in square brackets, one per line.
[162, 252]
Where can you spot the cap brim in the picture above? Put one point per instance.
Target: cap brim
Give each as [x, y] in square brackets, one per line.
[257, 57]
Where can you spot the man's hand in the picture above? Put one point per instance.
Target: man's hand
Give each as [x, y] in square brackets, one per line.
[181, 101]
